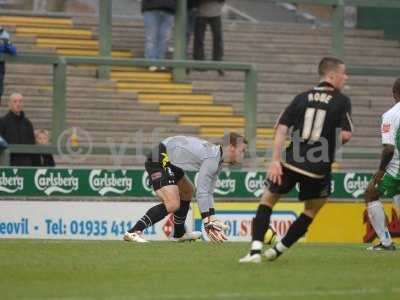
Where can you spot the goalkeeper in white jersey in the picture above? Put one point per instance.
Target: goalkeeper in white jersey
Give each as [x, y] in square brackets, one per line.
[166, 165]
[386, 181]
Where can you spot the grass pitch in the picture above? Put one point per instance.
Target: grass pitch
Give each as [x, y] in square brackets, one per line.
[34, 269]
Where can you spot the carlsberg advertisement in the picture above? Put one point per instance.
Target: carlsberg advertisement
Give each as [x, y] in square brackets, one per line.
[27, 182]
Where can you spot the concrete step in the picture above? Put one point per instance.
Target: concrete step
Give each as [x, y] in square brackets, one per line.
[195, 110]
[265, 78]
[33, 49]
[278, 45]
[105, 116]
[231, 28]
[275, 37]
[26, 69]
[218, 131]
[210, 121]
[175, 98]
[54, 32]
[116, 125]
[67, 43]
[134, 139]
[141, 76]
[122, 23]
[152, 87]
[268, 100]
[36, 21]
[40, 80]
[71, 92]
[311, 59]
[150, 91]
[365, 142]
[130, 126]
[84, 52]
[113, 103]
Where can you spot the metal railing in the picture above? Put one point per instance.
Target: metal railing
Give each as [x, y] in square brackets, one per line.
[337, 48]
[105, 21]
[179, 65]
[338, 16]
[60, 88]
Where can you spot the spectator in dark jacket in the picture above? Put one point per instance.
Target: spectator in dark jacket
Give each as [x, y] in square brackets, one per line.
[209, 12]
[5, 48]
[158, 17]
[16, 128]
[43, 160]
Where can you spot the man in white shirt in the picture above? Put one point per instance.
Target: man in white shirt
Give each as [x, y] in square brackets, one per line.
[386, 181]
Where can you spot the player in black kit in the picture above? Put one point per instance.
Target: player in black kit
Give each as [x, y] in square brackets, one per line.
[318, 118]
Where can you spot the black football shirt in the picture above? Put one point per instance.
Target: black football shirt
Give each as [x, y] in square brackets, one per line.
[316, 117]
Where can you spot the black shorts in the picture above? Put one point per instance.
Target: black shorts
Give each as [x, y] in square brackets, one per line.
[161, 171]
[310, 188]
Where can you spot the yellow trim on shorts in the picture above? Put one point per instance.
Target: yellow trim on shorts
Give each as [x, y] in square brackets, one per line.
[302, 172]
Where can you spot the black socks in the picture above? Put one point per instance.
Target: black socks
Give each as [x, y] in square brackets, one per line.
[158, 212]
[261, 222]
[152, 216]
[296, 230]
[260, 226]
[180, 218]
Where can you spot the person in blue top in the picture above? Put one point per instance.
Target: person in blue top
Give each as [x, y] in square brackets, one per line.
[6, 47]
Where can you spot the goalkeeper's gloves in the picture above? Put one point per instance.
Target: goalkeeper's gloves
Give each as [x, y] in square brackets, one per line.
[221, 225]
[214, 230]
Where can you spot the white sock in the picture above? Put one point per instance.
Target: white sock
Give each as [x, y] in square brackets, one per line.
[256, 245]
[281, 247]
[377, 217]
[396, 200]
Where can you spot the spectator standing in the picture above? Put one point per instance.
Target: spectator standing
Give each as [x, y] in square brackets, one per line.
[16, 128]
[8, 48]
[209, 12]
[158, 17]
[43, 160]
[191, 18]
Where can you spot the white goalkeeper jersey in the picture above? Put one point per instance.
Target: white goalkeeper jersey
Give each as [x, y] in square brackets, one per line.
[194, 154]
[390, 130]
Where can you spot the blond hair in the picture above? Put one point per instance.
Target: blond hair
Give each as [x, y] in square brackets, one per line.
[41, 131]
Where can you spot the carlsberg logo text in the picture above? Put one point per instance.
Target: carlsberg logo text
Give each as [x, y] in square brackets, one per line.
[104, 183]
[254, 184]
[11, 184]
[355, 184]
[146, 183]
[228, 185]
[50, 182]
[223, 186]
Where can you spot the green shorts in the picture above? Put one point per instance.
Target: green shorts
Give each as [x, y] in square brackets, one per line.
[389, 186]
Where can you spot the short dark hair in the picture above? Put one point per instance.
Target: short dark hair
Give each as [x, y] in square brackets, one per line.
[396, 89]
[234, 139]
[328, 64]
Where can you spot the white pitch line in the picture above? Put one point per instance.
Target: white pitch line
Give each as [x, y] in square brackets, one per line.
[244, 295]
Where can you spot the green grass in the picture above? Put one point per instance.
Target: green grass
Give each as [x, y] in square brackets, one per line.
[32, 269]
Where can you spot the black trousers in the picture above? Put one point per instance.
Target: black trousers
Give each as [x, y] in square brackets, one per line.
[2, 74]
[199, 34]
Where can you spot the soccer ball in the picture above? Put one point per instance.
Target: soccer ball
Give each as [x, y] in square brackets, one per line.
[270, 236]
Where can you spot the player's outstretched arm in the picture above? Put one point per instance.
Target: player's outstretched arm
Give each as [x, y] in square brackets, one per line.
[205, 183]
